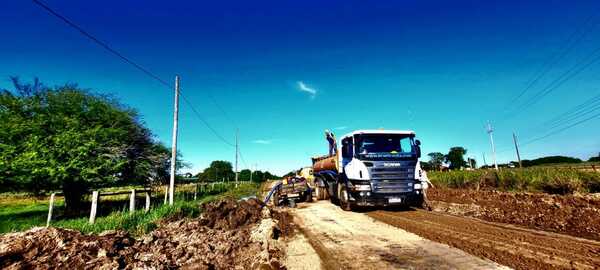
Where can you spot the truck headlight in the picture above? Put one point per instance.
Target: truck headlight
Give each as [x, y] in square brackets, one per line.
[418, 186]
[362, 187]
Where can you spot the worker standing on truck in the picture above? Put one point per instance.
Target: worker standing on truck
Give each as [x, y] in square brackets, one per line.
[331, 140]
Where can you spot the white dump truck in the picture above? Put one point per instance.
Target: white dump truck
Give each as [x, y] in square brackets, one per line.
[372, 168]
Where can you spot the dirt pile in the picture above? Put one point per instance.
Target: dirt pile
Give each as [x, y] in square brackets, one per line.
[222, 238]
[41, 248]
[228, 214]
[569, 214]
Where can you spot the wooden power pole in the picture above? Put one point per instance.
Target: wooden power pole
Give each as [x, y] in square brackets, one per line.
[174, 143]
[517, 148]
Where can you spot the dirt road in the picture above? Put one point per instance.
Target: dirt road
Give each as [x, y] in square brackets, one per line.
[347, 240]
[509, 245]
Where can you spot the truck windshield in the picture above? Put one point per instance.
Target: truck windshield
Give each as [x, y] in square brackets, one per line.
[384, 146]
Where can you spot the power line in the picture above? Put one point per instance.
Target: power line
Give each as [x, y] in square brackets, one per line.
[243, 160]
[206, 123]
[582, 111]
[214, 101]
[561, 130]
[559, 55]
[573, 110]
[573, 119]
[101, 43]
[129, 61]
[572, 72]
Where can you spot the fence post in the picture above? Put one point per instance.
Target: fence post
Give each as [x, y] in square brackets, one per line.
[166, 194]
[94, 207]
[50, 206]
[147, 208]
[132, 201]
[196, 192]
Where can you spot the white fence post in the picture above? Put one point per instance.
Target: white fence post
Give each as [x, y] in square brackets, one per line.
[50, 206]
[132, 201]
[166, 194]
[94, 207]
[147, 208]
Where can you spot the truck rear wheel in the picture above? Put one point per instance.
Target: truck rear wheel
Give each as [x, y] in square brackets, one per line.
[318, 193]
[325, 193]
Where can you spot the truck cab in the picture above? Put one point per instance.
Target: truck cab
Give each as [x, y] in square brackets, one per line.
[376, 168]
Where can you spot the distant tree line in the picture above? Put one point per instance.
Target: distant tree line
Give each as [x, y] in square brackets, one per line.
[70, 139]
[220, 170]
[455, 160]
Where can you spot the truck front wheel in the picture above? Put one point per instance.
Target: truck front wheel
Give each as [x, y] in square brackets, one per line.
[344, 199]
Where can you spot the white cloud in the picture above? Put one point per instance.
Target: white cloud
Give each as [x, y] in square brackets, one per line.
[262, 141]
[305, 88]
[340, 128]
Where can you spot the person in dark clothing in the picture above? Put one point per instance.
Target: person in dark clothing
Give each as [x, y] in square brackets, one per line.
[331, 140]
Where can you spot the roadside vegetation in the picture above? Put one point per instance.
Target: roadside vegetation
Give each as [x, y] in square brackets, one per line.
[553, 174]
[70, 139]
[73, 141]
[18, 213]
[553, 180]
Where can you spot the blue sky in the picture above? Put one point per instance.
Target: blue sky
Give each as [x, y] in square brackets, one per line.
[285, 71]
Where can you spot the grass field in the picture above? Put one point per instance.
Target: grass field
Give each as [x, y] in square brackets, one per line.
[553, 180]
[19, 212]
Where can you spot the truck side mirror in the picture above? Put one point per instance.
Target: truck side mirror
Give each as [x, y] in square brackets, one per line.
[418, 144]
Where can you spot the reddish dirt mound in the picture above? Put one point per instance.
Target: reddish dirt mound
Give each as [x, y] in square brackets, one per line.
[220, 239]
[58, 248]
[229, 214]
[569, 214]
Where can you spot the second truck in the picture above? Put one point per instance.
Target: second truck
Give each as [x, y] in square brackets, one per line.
[372, 168]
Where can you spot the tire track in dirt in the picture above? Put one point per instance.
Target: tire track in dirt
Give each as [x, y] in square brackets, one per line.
[515, 247]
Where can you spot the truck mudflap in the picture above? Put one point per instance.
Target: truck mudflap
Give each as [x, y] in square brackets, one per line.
[395, 199]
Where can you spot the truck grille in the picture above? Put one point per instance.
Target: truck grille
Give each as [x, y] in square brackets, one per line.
[392, 173]
[392, 186]
[393, 179]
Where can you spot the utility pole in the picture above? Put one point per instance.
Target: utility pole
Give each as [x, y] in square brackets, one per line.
[252, 171]
[517, 148]
[174, 143]
[484, 162]
[237, 151]
[490, 131]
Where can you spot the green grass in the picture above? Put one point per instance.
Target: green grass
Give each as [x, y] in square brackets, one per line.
[536, 179]
[18, 214]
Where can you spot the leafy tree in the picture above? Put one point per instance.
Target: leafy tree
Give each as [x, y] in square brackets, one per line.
[595, 159]
[217, 171]
[244, 175]
[435, 160]
[427, 166]
[456, 157]
[472, 163]
[67, 138]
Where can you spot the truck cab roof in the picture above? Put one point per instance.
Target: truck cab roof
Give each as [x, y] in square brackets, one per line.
[379, 131]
